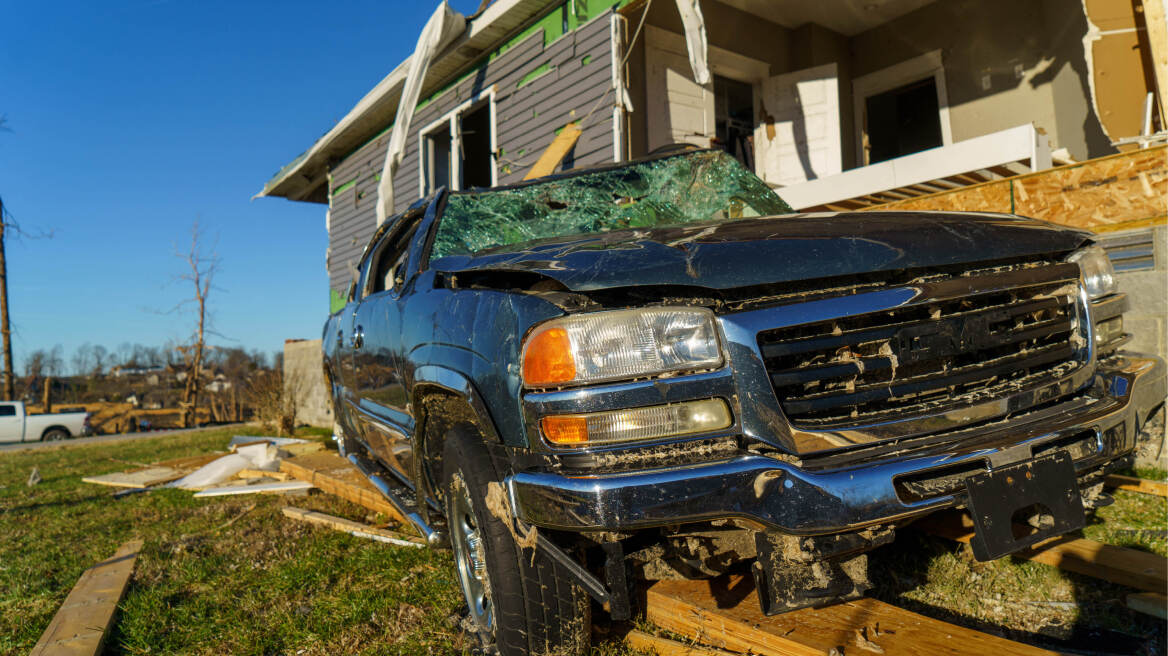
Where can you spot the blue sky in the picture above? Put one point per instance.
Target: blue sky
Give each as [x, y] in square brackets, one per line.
[130, 120]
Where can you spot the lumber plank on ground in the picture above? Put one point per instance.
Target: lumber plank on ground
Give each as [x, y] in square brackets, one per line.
[1130, 567]
[80, 625]
[333, 474]
[1149, 603]
[555, 153]
[1133, 484]
[724, 613]
[257, 488]
[652, 644]
[351, 527]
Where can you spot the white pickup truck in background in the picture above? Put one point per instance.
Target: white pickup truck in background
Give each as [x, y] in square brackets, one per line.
[16, 425]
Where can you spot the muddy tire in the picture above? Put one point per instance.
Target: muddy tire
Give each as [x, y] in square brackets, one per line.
[518, 604]
[55, 435]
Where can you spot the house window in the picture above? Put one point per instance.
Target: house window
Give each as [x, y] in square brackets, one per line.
[903, 121]
[901, 110]
[734, 118]
[458, 150]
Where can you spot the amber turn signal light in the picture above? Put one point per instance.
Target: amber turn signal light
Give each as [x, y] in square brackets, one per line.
[547, 360]
[565, 430]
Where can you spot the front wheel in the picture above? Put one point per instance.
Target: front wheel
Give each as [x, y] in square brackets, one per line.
[54, 435]
[520, 602]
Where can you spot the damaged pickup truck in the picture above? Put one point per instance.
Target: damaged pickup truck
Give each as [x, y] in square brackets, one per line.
[656, 370]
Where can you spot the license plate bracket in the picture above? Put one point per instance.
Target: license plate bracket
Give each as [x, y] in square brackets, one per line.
[1047, 483]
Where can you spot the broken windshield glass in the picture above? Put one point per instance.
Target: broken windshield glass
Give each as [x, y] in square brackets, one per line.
[698, 187]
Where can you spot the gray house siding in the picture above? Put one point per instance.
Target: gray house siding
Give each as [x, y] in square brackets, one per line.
[527, 117]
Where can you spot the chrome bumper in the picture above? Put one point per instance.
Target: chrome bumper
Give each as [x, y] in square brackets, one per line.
[793, 499]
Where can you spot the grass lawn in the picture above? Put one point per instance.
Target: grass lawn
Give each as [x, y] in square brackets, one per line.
[232, 575]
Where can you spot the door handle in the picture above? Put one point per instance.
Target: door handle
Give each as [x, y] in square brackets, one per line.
[358, 337]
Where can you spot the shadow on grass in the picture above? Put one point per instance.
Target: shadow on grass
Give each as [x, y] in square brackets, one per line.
[899, 569]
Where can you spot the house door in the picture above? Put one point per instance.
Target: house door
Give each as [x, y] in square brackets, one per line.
[797, 137]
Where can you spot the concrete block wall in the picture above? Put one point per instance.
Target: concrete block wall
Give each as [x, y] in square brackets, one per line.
[1147, 291]
[304, 382]
[1146, 286]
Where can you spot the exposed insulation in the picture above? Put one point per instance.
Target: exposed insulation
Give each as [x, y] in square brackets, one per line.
[1109, 193]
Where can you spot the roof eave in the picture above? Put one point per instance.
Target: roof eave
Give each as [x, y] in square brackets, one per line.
[306, 177]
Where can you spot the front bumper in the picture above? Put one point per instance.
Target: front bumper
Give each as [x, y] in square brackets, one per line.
[796, 499]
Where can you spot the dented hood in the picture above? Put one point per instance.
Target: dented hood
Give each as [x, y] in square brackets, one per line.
[775, 249]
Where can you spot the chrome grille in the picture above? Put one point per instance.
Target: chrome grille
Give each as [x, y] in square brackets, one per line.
[927, 357]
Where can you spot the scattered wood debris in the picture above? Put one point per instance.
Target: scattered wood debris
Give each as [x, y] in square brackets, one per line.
[352, 528]
[272, 487]
[725, 613]
[81, 623]
[335, 475]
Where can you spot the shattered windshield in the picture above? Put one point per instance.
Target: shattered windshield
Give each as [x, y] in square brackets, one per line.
[697, 187]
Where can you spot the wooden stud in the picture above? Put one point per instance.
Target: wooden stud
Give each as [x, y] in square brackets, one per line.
[724, 613]
[1133, 484]
[335, 475]
[555, 153]
[1130, 567]
[260, 473]
[349, 526]
[80, 625]
[1149, 603]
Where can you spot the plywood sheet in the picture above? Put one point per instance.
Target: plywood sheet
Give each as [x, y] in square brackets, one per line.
[1108, 193]
[80, 625]
[724, 613]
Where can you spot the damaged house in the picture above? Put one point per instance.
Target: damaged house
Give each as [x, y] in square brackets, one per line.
[838, 105]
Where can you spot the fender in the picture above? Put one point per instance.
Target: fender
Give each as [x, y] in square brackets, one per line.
[455, 382]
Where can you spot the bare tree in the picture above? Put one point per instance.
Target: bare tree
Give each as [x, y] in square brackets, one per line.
[202, 266]
[100, 357]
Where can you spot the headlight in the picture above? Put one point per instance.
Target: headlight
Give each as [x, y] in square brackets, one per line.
[1096, 271]
[619, 345]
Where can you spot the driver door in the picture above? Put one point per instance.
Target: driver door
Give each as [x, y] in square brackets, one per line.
[382, 400]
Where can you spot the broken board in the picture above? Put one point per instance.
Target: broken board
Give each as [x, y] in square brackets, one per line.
[1130, 567]
[564, 142]
[724, 613]
[1133, 484]
[269, 488]
[80, 625]
[335, 475]
[351, 527]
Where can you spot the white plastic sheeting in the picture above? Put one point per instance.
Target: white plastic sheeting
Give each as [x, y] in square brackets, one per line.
[442, 27]
[695, 39]
[256, 456]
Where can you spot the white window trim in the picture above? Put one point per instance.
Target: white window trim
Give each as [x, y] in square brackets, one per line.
[451, 120]
[897, 75]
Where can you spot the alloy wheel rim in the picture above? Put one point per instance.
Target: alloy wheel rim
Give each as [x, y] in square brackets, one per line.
[470, 557]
